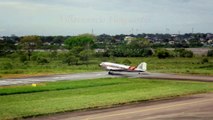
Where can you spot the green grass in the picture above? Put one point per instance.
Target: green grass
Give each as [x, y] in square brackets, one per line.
[170, 65]
[23, 101]
[176, 65]
[31, 68]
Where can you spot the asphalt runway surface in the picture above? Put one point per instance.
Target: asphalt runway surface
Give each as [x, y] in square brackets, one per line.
[104, 74]
[194, 107]
[52, 78]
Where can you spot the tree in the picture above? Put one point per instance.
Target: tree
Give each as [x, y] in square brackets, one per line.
[139, 43]
[80, 47]
[6, 46]
[85, 55]
[58, 40]
[85, 40]
[195, 43]
[143, 43]
[29, 44]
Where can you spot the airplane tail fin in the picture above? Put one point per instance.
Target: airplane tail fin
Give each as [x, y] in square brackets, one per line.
[142, 66]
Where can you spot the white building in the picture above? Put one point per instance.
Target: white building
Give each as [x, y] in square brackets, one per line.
[1, 38]
[129, 39]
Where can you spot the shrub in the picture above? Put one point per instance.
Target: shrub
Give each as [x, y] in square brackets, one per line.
[188, 54]
[183, 53]
[204, 60]
[162, 53]
[42, 61]
[127, 62]
[71, 60]
[99, 54]
[210, 53]
[85, 55]
[178, 52]
[147, 53]
[13, 55]
[128, 52]
[53, 54]
[34, 57]
[7, 66]
[23, 58]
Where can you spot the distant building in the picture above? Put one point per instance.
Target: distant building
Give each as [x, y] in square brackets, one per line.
[171, 42]
[174, 35]
[99, 50]
[210, 41]
[1, 38]
[129, 39]
[209, 36]
[46, 43]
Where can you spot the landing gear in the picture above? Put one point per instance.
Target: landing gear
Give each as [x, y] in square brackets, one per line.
[110, 73]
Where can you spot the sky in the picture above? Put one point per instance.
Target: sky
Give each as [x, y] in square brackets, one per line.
[73, 17]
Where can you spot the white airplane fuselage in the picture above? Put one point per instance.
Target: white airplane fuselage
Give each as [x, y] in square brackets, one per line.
[123, 68]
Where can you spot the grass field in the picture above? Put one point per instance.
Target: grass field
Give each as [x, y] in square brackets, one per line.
[23, 101]
[9, 68]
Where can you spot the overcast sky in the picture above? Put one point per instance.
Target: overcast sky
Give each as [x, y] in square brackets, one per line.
[72, 17]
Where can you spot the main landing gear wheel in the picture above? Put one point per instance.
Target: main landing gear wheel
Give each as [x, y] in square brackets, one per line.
[110, 73]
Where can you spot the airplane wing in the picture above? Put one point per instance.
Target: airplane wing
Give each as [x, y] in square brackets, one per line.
[114, 69]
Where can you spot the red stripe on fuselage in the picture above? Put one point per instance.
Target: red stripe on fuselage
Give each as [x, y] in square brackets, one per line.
[132, 68]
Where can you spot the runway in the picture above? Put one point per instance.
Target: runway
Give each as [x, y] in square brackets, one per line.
[52, 78]
[195, 107]
[168, 76]
[94, 75]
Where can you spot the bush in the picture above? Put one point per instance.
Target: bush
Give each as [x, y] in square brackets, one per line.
[128, 52]
[183, 53]
[147, 53]
[127, 62]
[53, 55]
[7, 66]
[13, 55]
[178, 52]
[188, 54]
[23, 58]
[204, 60]
[71, 60]
[162, 53]
[42, 61]
[99, 54]
[85, 55]
[34, 57]
[210, 53]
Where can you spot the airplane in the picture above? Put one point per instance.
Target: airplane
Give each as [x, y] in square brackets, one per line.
[123, 68]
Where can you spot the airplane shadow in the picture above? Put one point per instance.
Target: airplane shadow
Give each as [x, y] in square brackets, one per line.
[127, 74]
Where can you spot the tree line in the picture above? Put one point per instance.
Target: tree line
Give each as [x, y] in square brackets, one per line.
[81, 48]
